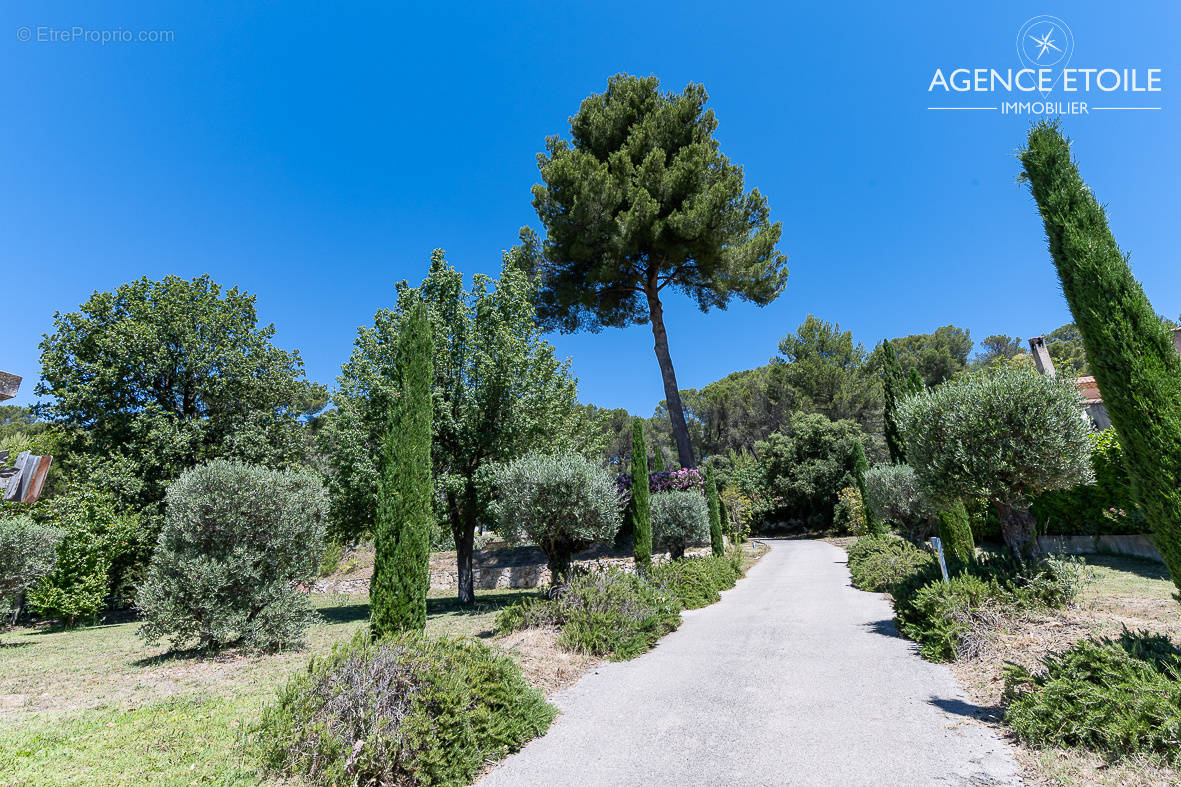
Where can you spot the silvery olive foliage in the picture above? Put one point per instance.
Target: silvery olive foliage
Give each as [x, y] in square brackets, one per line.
[1002, 434]
[893, 495]
[27, 553]
[238, 544]
[679, 520]
[562, 502]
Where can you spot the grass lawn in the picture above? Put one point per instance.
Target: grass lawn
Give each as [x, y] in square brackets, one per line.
[96, 706]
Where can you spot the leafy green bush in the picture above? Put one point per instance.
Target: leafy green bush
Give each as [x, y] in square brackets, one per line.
[1107, 507]
[848, 515]
[95, 556]
[28, 551]
[955, 531]
[696, 582]
[563, 503]
[407, 710]
[605, 613]
[803, 470]
[1119, 698]
[238, 542]
[937, 615]
[679, 519]
[892, 495]
[878, 563]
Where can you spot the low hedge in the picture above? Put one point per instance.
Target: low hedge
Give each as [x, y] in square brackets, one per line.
[940, 615]
[407, 710]
[618, 614]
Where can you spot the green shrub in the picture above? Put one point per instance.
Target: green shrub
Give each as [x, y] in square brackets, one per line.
[679, 520]
[1119, 698]
[95, 555]
[892, 496]
[696, 582]
[407, 710]
[563, 503]
[955, 533]
[238, 543]
[28, 551]
[609, 613]
[938, 614]
[849, 513]
[639, 509]
[878, 563]
[1107, 507]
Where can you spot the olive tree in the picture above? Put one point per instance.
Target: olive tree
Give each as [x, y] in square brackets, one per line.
[679, 519]
[893, 494]
[1001, 435]
[238, 543]
[28, 551]
[563, 502]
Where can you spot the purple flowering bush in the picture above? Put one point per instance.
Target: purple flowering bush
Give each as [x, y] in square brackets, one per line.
[688, 479]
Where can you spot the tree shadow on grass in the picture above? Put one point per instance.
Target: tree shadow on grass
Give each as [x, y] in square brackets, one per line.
[1141, 567]
[346, 613]
[993, 713]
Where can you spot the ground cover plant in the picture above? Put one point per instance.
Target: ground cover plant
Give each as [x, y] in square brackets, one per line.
[612, 613]
[404, 710]
[1119, 697]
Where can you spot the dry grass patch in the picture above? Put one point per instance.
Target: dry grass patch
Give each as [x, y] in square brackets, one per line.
[1123, 592]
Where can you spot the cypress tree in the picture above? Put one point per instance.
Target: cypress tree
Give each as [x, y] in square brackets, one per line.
[955, 531]
[860, 465]
[1128, 350]
[641, 510]
[402, 524]
[894, 387]
[727, 525]
[657, 459]
[914, 382]
[715, 514]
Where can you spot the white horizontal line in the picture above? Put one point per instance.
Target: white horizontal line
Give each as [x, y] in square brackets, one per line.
[993, 108]
[1124, 107]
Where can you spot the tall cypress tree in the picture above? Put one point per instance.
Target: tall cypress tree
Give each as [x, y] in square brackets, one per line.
[641, 508]
[402, 527]
[914, 382]
[715, 513]
[1128, 349]
[894, 387]
[860, 465]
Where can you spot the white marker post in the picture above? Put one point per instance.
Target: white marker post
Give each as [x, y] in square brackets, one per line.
[938, 544]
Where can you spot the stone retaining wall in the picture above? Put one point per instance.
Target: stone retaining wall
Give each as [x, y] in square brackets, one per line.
[497, 569]
[1131, 546]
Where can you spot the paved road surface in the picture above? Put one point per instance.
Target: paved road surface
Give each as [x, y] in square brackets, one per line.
[794, 678]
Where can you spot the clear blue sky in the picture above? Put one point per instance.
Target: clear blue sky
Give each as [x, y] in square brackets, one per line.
[314, 155]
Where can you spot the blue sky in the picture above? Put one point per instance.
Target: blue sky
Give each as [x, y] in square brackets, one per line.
[314, 156]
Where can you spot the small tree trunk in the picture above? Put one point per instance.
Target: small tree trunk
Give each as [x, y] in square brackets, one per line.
[672, 395]
[676, 551]
[1019, 530]
[463, 529]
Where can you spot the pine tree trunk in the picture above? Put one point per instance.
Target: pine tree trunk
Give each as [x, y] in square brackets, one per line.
[672, 395]
[1019, 530]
